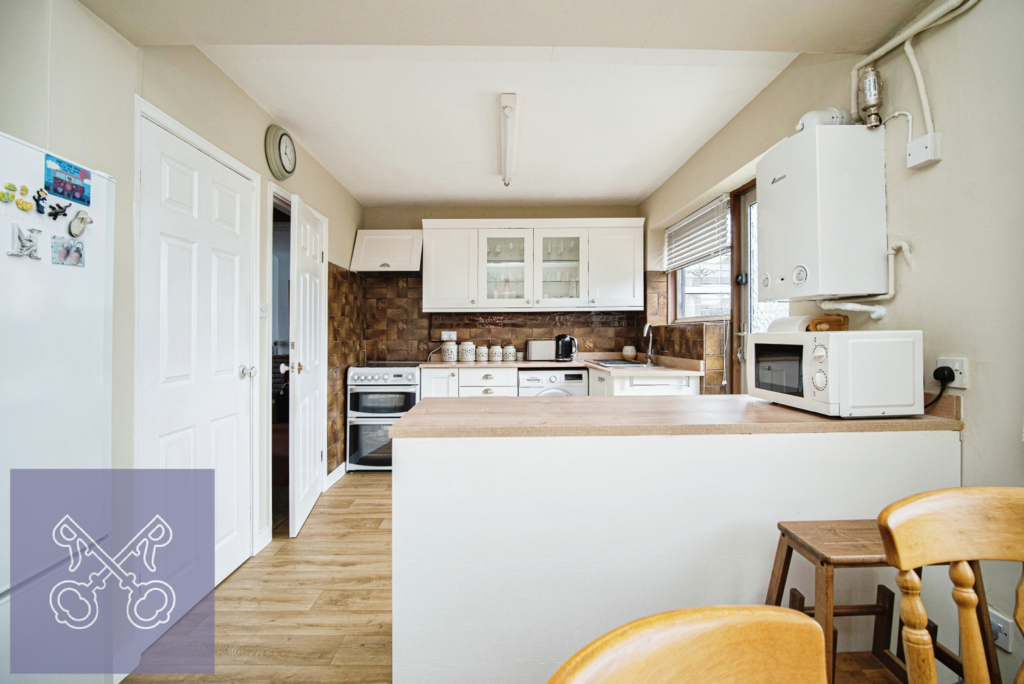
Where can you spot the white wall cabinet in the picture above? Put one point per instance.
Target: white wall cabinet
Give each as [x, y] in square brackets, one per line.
[450, 276]
[607, 385]
[540, 264]
[439, 382]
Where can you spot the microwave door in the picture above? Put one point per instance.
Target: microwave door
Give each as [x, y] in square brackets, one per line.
[779, 368]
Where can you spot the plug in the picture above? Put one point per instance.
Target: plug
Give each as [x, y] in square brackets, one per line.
[944, 374]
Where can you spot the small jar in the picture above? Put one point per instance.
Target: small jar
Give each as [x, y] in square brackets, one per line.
[481, 352]
[509, 353]
[449, 351]
[520, 356]
[467, 351]
[629, 352]
[496, 353]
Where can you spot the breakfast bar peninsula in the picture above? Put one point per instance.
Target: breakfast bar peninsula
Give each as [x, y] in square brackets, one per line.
[525, 527]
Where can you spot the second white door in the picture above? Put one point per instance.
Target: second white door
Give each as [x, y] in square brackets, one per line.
[308, 361]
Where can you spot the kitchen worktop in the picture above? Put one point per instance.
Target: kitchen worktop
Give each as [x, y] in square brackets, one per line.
[668, 365]
[644, 415]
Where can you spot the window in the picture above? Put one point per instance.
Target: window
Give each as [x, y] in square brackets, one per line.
[699, 254]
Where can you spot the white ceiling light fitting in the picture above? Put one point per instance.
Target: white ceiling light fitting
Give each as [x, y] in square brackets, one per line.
[508, 136]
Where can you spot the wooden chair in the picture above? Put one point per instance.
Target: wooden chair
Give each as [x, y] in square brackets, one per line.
[955, 526]
[720, 644]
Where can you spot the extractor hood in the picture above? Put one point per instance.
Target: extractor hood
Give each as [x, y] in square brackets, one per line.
[382, 252]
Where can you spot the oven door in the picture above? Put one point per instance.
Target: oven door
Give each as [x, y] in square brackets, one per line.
[377, 402]
[367, 444]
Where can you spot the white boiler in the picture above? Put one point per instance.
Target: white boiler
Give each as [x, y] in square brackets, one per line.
[821, 215]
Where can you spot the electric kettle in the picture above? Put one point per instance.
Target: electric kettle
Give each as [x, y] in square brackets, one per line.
[566, 347]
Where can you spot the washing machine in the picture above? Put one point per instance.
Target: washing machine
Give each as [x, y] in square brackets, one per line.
[554, 383]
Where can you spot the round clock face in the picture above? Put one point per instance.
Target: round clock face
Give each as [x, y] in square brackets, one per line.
[286, 148]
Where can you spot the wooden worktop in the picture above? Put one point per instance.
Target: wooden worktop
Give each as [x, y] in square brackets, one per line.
[634, 416]
[669, 365]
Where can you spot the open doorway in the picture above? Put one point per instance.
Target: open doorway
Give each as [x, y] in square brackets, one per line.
[280, 342]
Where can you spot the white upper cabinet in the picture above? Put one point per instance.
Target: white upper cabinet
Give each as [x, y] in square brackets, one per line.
[450, 276]
[542, 264]
[560, 267]
[387, 251]
[616, 268]
[506, 268]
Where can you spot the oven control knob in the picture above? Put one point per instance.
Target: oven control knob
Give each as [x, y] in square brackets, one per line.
[357, 377]
[820, 380]
[819, 354]
[386, 378]
[376, 377]
[409, 376]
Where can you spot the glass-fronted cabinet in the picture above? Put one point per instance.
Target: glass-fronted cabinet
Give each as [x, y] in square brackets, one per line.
[560, 267]
[506, 267]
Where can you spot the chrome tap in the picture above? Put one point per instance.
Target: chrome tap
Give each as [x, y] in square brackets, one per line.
[649, 334]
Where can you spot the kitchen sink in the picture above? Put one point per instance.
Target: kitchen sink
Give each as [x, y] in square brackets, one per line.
[613, 363]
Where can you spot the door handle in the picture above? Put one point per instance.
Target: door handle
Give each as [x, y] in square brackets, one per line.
[243, 372]
[593, 301]
[284, 368]
[472, 301]
[299, 368]
[252, 371]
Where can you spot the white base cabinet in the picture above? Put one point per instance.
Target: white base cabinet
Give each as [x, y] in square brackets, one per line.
[439, 382]
[488, 382]
[538, 264]
[607, 385]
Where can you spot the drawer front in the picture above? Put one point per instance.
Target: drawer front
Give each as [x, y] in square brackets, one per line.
[489, 377]
[488, 391]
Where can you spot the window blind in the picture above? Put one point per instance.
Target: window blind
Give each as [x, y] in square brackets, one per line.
[702, 235]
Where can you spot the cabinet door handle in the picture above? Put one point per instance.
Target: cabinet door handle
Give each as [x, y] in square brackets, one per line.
[488, 377]
[453, 374]
[488, 391]
[538, 301]
[593, 301]
[600, 379]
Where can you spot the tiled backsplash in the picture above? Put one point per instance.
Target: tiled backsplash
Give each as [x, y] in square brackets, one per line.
[598, 331]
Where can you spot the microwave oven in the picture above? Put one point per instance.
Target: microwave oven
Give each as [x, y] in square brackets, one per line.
[851, 374]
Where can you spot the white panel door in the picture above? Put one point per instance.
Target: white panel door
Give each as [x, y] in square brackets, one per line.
[194, 327]
[307, 436]
[560, 267]
[506, 268]
[450, 268]
[439, 382]
[616, 258]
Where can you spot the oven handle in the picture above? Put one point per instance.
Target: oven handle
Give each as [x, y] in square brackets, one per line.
[373, 421]
[384, 389]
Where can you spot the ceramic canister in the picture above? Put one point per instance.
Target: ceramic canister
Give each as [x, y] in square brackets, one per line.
[467, 351]
[629, 352]
[509, 353]
[449, 351]
[481, 352]
[496, 353]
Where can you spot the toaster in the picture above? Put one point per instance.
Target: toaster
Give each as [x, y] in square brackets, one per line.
[540, 350]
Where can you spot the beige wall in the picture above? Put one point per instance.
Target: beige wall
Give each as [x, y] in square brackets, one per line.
[410, 217]
[962, 217]
[69, 84]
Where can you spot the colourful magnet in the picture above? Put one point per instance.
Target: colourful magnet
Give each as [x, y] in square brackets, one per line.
[24, 189]
[40, 200]
[24, 205]
[11, 186]
[57, 210]
[6, 197]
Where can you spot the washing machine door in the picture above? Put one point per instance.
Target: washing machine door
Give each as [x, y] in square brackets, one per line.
[553, 392]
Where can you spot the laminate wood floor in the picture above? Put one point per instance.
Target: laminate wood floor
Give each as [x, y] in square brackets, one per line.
[317, 608]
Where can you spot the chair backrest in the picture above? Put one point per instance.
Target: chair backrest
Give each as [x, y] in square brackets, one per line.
[952, 526]
[722, 644]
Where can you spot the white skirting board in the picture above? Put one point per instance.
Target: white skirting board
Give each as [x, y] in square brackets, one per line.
[510, 554]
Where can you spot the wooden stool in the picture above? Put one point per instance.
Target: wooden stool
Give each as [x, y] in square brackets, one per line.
[831, 544]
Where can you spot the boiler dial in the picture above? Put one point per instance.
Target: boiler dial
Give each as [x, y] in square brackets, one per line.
[819, 354]
[820, 381]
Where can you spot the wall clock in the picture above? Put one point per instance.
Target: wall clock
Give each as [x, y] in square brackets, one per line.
[280, 149]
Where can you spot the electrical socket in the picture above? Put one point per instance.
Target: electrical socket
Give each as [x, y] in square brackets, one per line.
[448, 335]
[959, 367]
[1002, 629]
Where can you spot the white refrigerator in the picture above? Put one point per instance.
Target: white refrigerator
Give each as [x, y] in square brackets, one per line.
[56, 330]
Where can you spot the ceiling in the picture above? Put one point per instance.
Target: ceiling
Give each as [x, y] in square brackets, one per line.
[831, 26]
[406, 125]
[398, 99]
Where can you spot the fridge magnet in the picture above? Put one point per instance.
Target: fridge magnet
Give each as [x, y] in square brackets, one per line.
[24, 190]
[24, 205]
[66, 251]
[40, 199]
[6, 197]
[58, 210]
[24, 243]
[67, 181]
[78, 224]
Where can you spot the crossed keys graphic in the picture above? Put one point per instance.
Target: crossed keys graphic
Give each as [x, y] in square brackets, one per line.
[155, 598]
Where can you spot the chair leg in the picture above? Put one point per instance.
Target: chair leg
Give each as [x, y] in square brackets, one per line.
[796, 600]
[882, 635]
[823, 602]
[780, 570]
